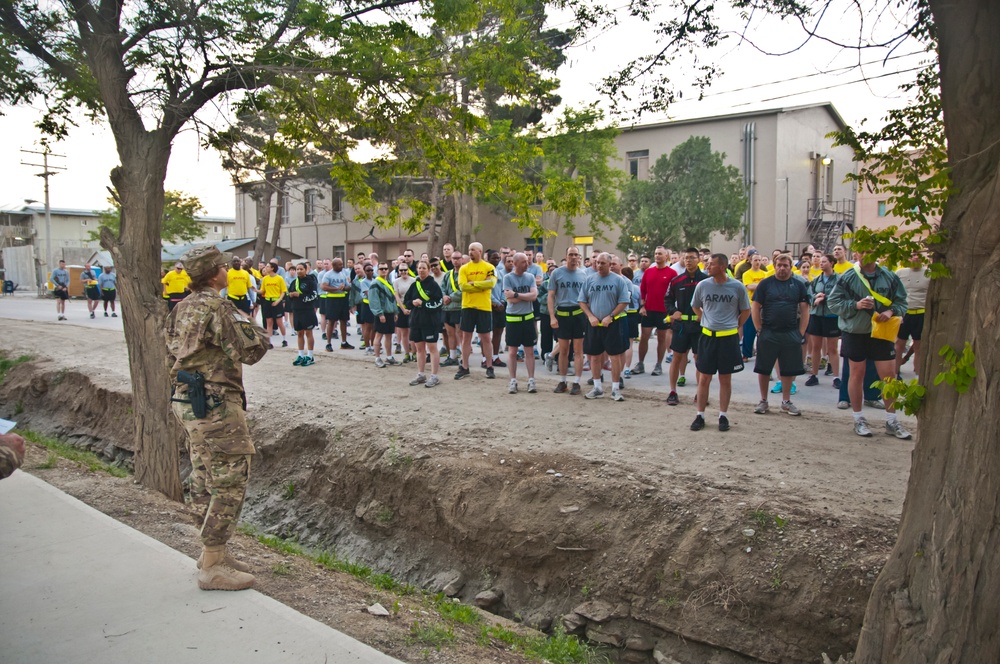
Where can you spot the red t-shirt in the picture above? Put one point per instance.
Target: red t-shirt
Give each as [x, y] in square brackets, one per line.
[654, 286]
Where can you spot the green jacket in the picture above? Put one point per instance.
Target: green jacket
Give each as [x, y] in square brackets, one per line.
[381, 300]
[543, 296]
[850, 288]
[454, 293]
[817, 286]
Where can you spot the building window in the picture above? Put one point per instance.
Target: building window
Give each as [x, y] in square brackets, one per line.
[638, 164]
[881, 208]
[310, 205]
[339, 251]
[285, 209]
[215, 229]
[336, 204]
[588, 189]
[829, 180]
[533, 243]
[83, 222]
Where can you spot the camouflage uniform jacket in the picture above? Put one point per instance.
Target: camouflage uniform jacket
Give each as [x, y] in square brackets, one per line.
[206, 333]
[9, 461]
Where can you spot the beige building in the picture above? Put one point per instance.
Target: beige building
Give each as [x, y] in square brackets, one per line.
[875, 210]
[794, 178]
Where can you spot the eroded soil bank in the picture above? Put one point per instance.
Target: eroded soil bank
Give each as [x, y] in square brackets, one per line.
[613, 520]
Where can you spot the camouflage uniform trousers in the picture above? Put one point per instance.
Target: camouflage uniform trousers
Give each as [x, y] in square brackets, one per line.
[220, 449]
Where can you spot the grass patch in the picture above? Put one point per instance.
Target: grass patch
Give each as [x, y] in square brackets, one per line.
[329, 560]
[50, 462]
[559, 648]
[456, 611]
[434, 635]
[281, 569]
[8, 363]
[87, 459]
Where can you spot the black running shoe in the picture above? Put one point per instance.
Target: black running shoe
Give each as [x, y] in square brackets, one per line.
[461, 373]
[723, 423]
[698, 424]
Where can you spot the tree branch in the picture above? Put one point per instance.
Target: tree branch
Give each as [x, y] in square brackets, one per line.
[10, 20]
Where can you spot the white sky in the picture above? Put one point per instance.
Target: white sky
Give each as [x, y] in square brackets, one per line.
[90, 152]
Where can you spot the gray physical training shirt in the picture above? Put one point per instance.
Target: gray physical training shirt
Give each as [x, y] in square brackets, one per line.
[60, 277]
[721, 304]
[519, 284]
[603, 294]
[567, 285]
[334, 278]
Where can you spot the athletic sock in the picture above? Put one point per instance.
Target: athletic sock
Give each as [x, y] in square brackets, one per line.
[858, 416]
[723, 413]
[302, 353]
[453, 354]
[890, 418]
[309, 354]
[562, 378]
[598, 386]
[576, 380]
[701, 414]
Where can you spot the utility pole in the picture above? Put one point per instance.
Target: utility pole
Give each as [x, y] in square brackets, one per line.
[47, 171]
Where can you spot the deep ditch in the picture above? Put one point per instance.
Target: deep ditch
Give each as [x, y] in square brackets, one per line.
[684, 573]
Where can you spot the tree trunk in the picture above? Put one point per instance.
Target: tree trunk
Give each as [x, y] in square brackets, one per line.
[448, 223]
[433, 228]
[139, 185]
[938, 597]
[261, 195]
[278, 207]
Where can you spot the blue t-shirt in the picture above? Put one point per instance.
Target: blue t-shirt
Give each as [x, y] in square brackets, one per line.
[603, 294]
[107, 280]
[60, 277]
[519, 284]
[333, 278]
[567, 285]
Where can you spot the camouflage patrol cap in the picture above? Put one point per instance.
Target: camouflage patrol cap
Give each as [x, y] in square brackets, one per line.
[202, 260]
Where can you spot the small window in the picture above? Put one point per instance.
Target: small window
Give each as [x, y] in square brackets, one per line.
[215, 229]
[339, 251]
[638, 164]
[535, 244]
[588, 189]
[881, 208]
[84, 222]
[336, 203]
[310, 205]
[285, 209]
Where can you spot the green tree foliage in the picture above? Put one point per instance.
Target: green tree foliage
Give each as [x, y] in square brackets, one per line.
[691, 194]
[179, 222]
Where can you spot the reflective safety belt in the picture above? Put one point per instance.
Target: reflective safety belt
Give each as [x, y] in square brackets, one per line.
[575, 312]
[718, 333]
[519, 319]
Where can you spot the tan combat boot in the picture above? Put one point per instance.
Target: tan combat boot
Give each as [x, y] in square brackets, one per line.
[216, 575]
[237, 565]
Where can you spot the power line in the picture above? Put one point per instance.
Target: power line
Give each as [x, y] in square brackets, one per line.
[836, 85]
[814, 74]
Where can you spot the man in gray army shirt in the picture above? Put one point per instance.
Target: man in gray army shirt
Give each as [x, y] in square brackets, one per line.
[722, 305]
[60, 289]
[603, 299]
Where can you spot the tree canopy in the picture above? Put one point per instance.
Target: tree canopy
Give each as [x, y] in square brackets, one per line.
[691, 193]
[180, 224]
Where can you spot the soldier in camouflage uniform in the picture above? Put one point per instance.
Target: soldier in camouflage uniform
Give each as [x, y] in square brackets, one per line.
[11, 453]
[206, 334]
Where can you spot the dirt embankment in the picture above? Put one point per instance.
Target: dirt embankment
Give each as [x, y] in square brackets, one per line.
[632, 553]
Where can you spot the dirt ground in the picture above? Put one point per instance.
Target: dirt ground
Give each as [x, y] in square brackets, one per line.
[757, 544]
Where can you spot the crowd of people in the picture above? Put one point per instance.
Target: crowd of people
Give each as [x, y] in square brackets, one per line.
[792, 316]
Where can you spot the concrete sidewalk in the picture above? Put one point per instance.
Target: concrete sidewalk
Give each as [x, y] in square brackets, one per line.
[78, 586]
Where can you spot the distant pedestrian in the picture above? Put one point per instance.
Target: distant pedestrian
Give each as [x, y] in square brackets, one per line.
[60, 289]
[108, 283]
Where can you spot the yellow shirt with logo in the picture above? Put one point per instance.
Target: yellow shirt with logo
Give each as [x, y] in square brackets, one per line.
[273, 286]
[175, 282]
[841, 268]
[470, 273]
[239, 283]
[752, 276]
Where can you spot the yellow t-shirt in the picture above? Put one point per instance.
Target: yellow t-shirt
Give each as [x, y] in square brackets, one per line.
[752, 276]
[175, 281]
[770, 268]
[841, 268]
[470, 273]
[256, 273]
[273, 286]
[814, 272]
[239, 283]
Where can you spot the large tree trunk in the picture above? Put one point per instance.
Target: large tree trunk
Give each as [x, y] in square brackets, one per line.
[276, 229]
[261, 194]
[448, 223]
[938, 597]
[433, 228]
[139, 185]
